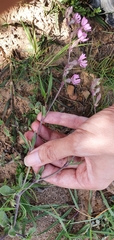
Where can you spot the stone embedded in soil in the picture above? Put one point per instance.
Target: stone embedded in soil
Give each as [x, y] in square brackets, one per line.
[86, 94]
[70, 92]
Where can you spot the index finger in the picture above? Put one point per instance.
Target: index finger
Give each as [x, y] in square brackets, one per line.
[63, 119]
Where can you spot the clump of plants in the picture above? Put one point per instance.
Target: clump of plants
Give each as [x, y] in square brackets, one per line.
[15, 209]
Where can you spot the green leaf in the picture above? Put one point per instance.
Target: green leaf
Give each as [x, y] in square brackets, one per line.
[3, 219]
[74, 200]
[34, 140]
[20, 180]
[38, 104]
[6, 190]
[31, 105]
[37, 111]
[50, 86]
[31, 231]
[42, 88]
[28, 34]
[7, 132]
[24, 212]
[1, 122]
[24, 139]
[11, 233]
[7, 209]
[43, 110]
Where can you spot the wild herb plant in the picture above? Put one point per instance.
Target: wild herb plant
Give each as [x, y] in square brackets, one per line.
[78, 29]
[17, 211]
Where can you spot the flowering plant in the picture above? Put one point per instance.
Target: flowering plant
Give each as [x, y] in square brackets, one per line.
[79, 27]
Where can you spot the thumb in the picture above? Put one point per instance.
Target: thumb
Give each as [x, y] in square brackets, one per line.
[51, 151]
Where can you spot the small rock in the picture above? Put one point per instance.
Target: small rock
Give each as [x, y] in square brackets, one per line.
[86, 94]
[70, 92]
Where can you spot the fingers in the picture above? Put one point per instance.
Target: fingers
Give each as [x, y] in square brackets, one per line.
[91, 139]
[46, 133]
[51, 151]
[91, 174]
[36, 168]
[63, 119]
[54, 150]
[30, 134]
[58, 149]
[65, 178]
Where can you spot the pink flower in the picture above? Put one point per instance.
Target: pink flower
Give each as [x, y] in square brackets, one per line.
[75, 79]
[82, 36]
[82, 61]
[85, 25]
[77, 18]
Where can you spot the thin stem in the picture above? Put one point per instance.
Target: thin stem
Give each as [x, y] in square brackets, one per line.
[43, 118]
[28, 170]
[61, 86]
[18, 196]
[43, 179]
[94, 104]
[18, 234]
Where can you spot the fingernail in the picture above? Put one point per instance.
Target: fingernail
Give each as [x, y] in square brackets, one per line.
[32, 159]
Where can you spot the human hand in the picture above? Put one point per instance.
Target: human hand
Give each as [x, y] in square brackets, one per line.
[91, 142]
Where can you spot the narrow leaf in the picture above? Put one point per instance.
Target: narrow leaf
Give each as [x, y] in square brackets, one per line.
[1, 122]
[50, 85]
[33, 142]
[24, 139]
[42, 88]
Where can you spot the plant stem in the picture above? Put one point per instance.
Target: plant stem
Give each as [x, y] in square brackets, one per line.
[43, 179]
[43, 118]
[94, 104]
[60, 88]
[28, 170]
[18, 196]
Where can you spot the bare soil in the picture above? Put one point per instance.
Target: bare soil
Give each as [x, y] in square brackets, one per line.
[15, 99]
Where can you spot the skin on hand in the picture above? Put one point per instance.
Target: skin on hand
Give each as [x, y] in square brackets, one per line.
[91, 143]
